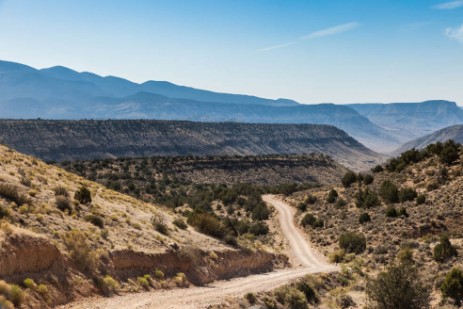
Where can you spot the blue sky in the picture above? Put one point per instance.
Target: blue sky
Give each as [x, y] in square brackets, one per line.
[312, 51]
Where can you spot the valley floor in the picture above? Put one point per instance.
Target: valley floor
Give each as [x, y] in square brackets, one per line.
[306, 259]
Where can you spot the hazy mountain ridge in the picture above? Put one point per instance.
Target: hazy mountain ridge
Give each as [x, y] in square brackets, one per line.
[61, 93]
[91, 139]
[411, 120]
[450, 133]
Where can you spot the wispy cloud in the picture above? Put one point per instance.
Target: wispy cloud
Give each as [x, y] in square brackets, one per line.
[455, 33]
[449, 5]
[331, 31]
[317, 34]
[276, 46]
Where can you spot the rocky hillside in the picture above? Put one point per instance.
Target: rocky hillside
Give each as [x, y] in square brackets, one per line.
[63, 237]
[450, 133]
[87, 139]
[409, 210]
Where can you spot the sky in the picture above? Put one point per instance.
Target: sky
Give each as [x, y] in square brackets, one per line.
[312, 51]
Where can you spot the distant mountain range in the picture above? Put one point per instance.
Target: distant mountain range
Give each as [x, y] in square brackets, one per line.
[61, 93]
[453, 132]
[59, 140]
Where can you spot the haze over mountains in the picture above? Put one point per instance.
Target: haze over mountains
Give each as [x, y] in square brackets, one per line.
[450, 133]
[61, 93]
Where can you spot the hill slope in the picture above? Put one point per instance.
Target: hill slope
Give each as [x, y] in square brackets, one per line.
[72, 140]
[70, 246]
[450, 133]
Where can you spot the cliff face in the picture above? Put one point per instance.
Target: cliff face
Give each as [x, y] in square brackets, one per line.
[87, 139]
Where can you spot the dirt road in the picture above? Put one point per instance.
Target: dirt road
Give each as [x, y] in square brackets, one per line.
[301, 254]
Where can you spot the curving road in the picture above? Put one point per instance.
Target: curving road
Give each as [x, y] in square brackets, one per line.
[302, 254]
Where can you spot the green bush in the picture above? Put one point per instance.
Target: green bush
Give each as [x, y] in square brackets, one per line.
[407, 194]
[377, 169]
[389, 192]
[61, 191]
[251, 298]
[352, 242]
[444, 250]
[368, 179]
[453, 285]
[332, 196]
[259, 228]
[308, 291]
[397, 287]
[364, 217]
[159, 223]
[4, 212]
[207, 224]
[83, 196]
[340, 203]
[312, 221]
[30, 283]
[95, 220]
[348, 179]
[421, 199]
[261, 212]
[63, 203]
[450, 152]
[366, 199]
[391, 212]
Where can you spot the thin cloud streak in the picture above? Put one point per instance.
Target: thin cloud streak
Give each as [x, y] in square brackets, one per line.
[276, 47]
[331, 31]
[317, 34]
[449, 5]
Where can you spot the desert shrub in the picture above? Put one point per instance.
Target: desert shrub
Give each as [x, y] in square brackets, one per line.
[312, 221]
[11, 192]
[444, 250]
[397, 287]
[348, 179]
[337, 256]
[389, 192]
[42, 289]
[308, 291]
[366, 199]
[251, 298]
[261, 212]
[230, 240]
[30, 283]
[340, 203]
[259, 228]
[449, 153]
[453, 285]
[377, 169]
[143, 282]
[295, 299]
[392, 212]
[180, 280]
[63, 203]
[159, 223]
[302, 206]
[421, 199]
[83, 196]
[207, 224]
[4, 212]
[95, 220]
[61, 191]
[311, 199]
[180, 223]
[368, 179]
[16, 295]
[407, 194]
[352, 242]
[158, 274]
[364, 217]
[402, 212]
[5, 303]
[82, 254]
[332, 196]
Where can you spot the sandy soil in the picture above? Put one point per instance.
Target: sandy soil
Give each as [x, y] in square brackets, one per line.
[301, 254]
